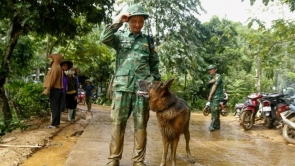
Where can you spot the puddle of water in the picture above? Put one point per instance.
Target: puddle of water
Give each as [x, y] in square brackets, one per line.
[56, 154]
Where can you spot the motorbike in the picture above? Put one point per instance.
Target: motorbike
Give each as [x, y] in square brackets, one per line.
[280, 108]
[279, 103]
[237, 110]
[288, 118]
[81, 97]
[94, 97]
[253, 109]
[267, 116]
[207, 110]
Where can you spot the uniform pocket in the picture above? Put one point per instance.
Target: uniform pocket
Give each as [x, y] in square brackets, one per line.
[124, 49]
[122, 79]
[126, 45]
[144, 48]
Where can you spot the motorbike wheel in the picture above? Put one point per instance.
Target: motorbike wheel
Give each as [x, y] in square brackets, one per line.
[246, 120]
[268, 122]
[224, 113]
[289, 132]
[237, 112]
[206, 111]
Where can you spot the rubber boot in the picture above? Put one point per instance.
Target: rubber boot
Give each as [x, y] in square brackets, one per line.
[141, 163]
[139, 149]
[61, 121]
[70, 114]
[73, 114]
[50, 118]
[113, 163]
[211, 128]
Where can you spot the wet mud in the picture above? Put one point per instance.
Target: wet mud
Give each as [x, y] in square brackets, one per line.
[230, 145]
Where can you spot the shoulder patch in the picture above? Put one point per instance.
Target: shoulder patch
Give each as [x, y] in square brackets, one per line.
[216, 77]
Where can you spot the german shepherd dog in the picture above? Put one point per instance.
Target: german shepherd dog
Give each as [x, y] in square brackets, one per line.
[173, 116]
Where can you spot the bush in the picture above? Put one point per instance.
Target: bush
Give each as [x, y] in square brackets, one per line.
[26, 99]
[198, 105]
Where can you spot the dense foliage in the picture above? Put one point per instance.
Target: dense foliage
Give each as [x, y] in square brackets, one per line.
[249, 59]
[63, 20]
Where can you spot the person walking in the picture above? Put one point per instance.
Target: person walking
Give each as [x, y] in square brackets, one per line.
[215, 96]
[76, 71]
[53, 84]
[89, 88]
[135, 59]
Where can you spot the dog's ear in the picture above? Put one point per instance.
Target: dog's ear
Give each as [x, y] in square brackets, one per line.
[168, 83]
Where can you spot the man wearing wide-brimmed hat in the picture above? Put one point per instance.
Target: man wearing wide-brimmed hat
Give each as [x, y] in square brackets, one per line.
[72, 94]
[89, 88]
[65, 65]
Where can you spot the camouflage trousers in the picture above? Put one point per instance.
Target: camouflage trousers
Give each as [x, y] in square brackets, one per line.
[215, 114]
[123, 104]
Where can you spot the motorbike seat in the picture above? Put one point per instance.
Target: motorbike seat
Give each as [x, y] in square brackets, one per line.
[254, 96]
[239, 105]
[276, 95]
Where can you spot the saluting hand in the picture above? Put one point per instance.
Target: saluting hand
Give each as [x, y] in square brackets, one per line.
[125, 17]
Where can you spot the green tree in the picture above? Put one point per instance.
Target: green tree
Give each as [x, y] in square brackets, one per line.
[57, 18]
[290, 3]
[93, 58]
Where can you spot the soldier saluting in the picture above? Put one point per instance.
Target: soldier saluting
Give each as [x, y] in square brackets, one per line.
[135, 59]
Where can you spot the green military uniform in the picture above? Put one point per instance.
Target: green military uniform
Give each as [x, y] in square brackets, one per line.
[217, 96]
[134, 60]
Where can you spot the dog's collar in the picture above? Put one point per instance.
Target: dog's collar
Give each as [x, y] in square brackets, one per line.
[168, 106]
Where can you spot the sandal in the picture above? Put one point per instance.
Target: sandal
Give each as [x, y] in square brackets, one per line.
[51, 127]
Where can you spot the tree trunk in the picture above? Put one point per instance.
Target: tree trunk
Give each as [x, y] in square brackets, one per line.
[47, 53]
[258, 75]
[4, 71]
[37, 78]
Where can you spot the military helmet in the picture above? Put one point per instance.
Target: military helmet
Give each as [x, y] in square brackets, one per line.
[211, 67]
[137, 10]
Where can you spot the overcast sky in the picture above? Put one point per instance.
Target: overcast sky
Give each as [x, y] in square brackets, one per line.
[239, 11]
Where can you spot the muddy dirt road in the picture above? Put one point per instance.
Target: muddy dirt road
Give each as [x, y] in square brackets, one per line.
[228, 146]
